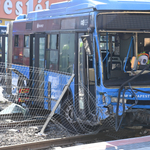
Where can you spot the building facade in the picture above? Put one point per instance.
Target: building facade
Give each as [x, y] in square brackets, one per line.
[10, 9]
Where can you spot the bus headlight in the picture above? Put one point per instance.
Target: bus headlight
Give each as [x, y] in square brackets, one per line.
[104, 99]
[115, 99]
[81, 103]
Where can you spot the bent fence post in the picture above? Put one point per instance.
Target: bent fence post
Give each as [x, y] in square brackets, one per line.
[56, 105]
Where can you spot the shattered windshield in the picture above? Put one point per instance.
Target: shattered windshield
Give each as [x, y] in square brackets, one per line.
[125, 55]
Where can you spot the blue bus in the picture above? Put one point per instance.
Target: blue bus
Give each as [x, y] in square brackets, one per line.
[105, 43]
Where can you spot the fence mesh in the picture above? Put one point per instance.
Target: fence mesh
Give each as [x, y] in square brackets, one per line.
[27, 97]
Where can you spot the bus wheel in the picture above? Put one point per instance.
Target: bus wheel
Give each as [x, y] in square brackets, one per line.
[67, 115]
[68, 112]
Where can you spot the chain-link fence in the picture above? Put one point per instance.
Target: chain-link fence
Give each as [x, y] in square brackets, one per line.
[30, 97]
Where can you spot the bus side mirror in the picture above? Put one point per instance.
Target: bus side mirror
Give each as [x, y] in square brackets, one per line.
[87, 44]
[134, 63]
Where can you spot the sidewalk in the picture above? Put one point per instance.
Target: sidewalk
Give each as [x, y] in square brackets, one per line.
[139, 143]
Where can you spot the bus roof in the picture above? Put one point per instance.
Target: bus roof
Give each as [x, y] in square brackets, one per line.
[128, 5]
[104, 4]
[84, 6]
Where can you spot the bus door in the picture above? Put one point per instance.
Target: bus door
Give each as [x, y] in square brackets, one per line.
[3, 49]
[37, 66]
[86, 78]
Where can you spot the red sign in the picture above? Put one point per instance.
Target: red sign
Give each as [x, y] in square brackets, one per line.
[22, 100]
[10, 9]
[24, 90]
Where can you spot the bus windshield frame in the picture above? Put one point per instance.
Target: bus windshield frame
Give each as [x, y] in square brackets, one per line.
[119, 42]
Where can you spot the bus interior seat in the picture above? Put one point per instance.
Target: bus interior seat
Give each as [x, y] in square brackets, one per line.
[134, 63]
[128, 64]
[116, 70]
[115, 64]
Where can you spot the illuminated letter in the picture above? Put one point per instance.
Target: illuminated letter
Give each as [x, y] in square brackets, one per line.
[39, 1]
[18, 8]
[7, 6]
[38, 7]
[29, 5]
[47, 4]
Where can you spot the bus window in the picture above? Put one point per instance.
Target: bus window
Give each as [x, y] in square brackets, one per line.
[26, 51]
[6, 50]
[54, 41]
[41, 51]
[0, 55]
[147, 45]
[47, 57]
[52, 52]
[52, 60]
[16, 40]
[0, 49]
[26, 41]
[0, 42]
[66, 59]
[146, 42]
[81, 72]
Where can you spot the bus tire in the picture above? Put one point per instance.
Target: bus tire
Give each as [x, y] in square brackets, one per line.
[66, 113]
[68, 117]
